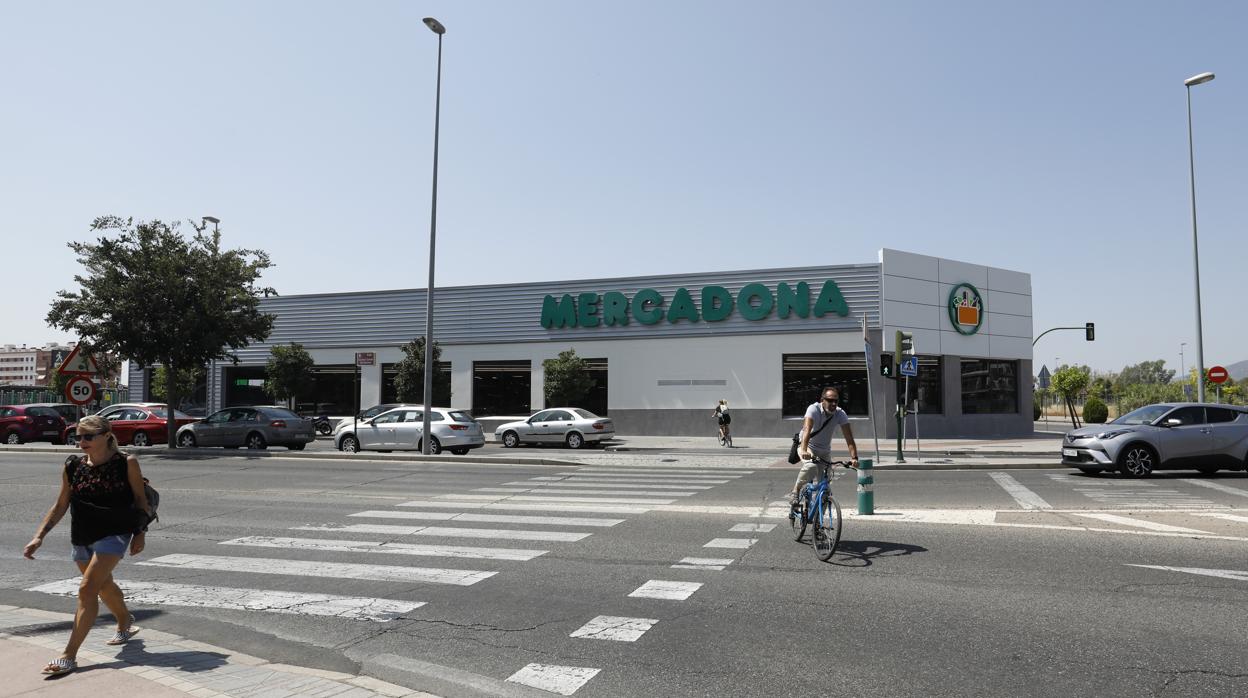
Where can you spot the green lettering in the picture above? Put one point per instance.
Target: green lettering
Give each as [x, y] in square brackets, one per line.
[745, 299]
[683, 307]
[587, 309]
[614, 308]
[644, 315]
[788, 301]
[831, 300]
[716, 303]
[558, 313]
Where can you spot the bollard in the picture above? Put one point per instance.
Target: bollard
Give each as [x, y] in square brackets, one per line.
[866, 498]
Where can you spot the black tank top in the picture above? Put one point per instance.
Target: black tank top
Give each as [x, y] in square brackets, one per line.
[101, 502]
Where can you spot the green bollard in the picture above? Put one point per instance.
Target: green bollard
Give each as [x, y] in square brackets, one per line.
[866, 498]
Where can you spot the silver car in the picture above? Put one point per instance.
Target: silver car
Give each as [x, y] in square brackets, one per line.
[253, 427]
[401, 429]
[572, 426]
[1170, 436]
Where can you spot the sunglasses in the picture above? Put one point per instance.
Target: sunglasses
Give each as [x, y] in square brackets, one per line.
[88, 436]
[829, 399]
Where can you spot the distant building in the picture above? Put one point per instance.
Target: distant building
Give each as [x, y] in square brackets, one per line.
[35, 366]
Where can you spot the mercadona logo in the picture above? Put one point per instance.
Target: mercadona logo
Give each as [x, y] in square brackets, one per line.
[966, 309]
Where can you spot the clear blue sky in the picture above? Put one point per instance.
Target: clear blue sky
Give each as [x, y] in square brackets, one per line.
[590, 139]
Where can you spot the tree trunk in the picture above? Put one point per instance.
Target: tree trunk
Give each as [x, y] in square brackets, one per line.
[171, 399]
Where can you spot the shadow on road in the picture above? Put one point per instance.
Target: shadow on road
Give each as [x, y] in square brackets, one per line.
[862, 553]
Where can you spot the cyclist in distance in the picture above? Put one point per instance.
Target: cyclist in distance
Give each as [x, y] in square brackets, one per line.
[821, 418]
[724, 419]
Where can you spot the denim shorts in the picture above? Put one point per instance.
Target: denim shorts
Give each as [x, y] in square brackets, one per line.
[108, 545]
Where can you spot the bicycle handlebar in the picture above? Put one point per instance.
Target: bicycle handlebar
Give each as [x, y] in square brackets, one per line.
[845, 463]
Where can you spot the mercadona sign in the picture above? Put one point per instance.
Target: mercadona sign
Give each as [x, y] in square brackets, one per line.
[647, 306]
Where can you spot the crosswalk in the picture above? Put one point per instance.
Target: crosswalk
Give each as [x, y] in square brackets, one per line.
[473, 535]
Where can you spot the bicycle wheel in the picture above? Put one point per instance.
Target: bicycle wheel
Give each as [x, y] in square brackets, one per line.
[827, 533]
[797, 519]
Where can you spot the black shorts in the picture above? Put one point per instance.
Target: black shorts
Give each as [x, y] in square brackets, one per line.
[724, 420]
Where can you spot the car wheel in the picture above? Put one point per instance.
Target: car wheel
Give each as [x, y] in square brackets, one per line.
[349, 444]
[1137, 460]
[256, 442]
[510, 439]
[1091, 471]
[141, 439]
[459, 451]
[435, 446]
[186, 440]
[575, 440]
[1208, 469]
[13, 438]
[72, 438]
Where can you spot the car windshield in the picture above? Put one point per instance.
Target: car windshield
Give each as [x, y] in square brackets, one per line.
[163, 413]
[1144, 415]
[585, 413]
[41, 412]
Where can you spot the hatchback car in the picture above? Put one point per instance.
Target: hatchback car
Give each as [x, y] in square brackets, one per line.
[1170, 436]
[135, 424]
[22, 423]
[255, 427]
[401, 429]
[571, 426]
[68, 411]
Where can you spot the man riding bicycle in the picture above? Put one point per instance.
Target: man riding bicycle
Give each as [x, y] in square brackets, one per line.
[820, 419]
[724, 419]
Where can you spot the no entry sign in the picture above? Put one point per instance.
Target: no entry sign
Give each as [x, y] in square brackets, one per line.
[1217, 374]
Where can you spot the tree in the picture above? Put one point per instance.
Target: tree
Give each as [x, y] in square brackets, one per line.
[1069, 382]
[155, 297]
[1145, 372]
[567, 379]
[288, 373]
[409, 380]
[1140, 394]
[184, 384]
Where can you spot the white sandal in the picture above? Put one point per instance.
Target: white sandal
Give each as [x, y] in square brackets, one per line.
[60, 665]
[121, 637]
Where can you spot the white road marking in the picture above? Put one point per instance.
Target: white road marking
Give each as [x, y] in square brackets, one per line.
[508, 505]
[1025, 497]
[711, 564]
[333, 570]
[558, 500]
[356, 546]
[616, 628]
[1217, 486]
[291, 602]
[735, 543]
[673, 480]
[490, 518]
[1149, 525]
[1228, 517]
[450, 532]
[752, 527]
[1237, 575]
[670, 591]
[665, 473]
[552, 490]
[552, 678]
[612, 485]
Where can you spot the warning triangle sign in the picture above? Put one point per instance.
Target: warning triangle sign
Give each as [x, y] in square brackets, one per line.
[79, 363]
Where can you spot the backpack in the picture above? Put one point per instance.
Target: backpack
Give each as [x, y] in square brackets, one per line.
[153, 502]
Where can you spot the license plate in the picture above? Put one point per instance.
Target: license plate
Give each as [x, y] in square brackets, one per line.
[1069, 453]
[50, 433]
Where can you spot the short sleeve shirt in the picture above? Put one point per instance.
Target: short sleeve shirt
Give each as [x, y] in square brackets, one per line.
[818, 417]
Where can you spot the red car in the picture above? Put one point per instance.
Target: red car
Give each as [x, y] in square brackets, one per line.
[22, 423]
[139, 424]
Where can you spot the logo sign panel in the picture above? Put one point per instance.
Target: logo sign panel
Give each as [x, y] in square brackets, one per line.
[966, 309]
[1217, 374]
[80, 390]
[365, 358]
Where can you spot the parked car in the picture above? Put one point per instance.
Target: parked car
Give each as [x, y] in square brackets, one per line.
[1170, 436]
[255, 427]
[22, 423]
[572, 426]
[68, 411]
[135, 424]
[401, 429]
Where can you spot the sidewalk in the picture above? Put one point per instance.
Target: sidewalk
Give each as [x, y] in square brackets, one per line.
[156, 664]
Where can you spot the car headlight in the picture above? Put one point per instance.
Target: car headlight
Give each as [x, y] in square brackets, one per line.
[1105, 435]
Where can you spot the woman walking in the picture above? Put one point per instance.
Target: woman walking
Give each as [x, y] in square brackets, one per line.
[102, 489]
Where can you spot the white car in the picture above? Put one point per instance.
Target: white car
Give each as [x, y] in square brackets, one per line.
[572, 426]
[401, 429]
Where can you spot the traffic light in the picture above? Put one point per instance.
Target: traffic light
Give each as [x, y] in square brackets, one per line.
[1089, 330]
[903, 346]
[886, 366]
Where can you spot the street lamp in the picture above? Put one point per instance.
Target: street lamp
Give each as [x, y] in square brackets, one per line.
[214, 221]
[426, 430]
[1182, 363]
[1191, 160]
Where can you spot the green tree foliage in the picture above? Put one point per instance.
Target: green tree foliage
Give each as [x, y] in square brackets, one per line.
[1069, 382]
[288, 373]
[1095, 411]
[154, 296]
[187, 380]
[1135, 396]
[1146, 373]
[409, 383]
[567, 380]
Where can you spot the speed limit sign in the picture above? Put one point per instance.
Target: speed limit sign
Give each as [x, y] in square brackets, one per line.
[80, 390]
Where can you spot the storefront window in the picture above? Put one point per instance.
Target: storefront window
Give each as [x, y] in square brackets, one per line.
[926, 387]
[805, 375]
[597, 400]
[244, 385]
[501, 388]
[441, 384]
[989, 387]
[335, 391]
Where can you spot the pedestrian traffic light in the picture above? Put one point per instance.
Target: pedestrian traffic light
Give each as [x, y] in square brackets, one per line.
[886, 366]
[1089, 331]
[903, 346]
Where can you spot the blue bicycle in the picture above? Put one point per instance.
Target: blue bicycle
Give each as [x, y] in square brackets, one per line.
[816, 506]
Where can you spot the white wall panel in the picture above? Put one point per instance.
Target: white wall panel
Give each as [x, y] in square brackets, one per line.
[1008, 325]
[1004, 302]
[954, 272]
[909, 264]
[905, 316]
[970, 346]
[1006, 280]
[1011, 347]
[908, 290]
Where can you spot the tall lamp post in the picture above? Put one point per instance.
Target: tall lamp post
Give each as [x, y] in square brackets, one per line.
[1191, 160]
[436, 27]
[1182, 361]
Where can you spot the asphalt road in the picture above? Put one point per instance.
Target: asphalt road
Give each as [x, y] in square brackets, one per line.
[967, 583]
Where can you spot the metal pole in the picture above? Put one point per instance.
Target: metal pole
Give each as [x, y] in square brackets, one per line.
[875, 433]
[426, 429]
[1200, 341]
[918, 441]
[866, 497]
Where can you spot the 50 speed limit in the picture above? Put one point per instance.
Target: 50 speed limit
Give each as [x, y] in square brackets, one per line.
[80, 390]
